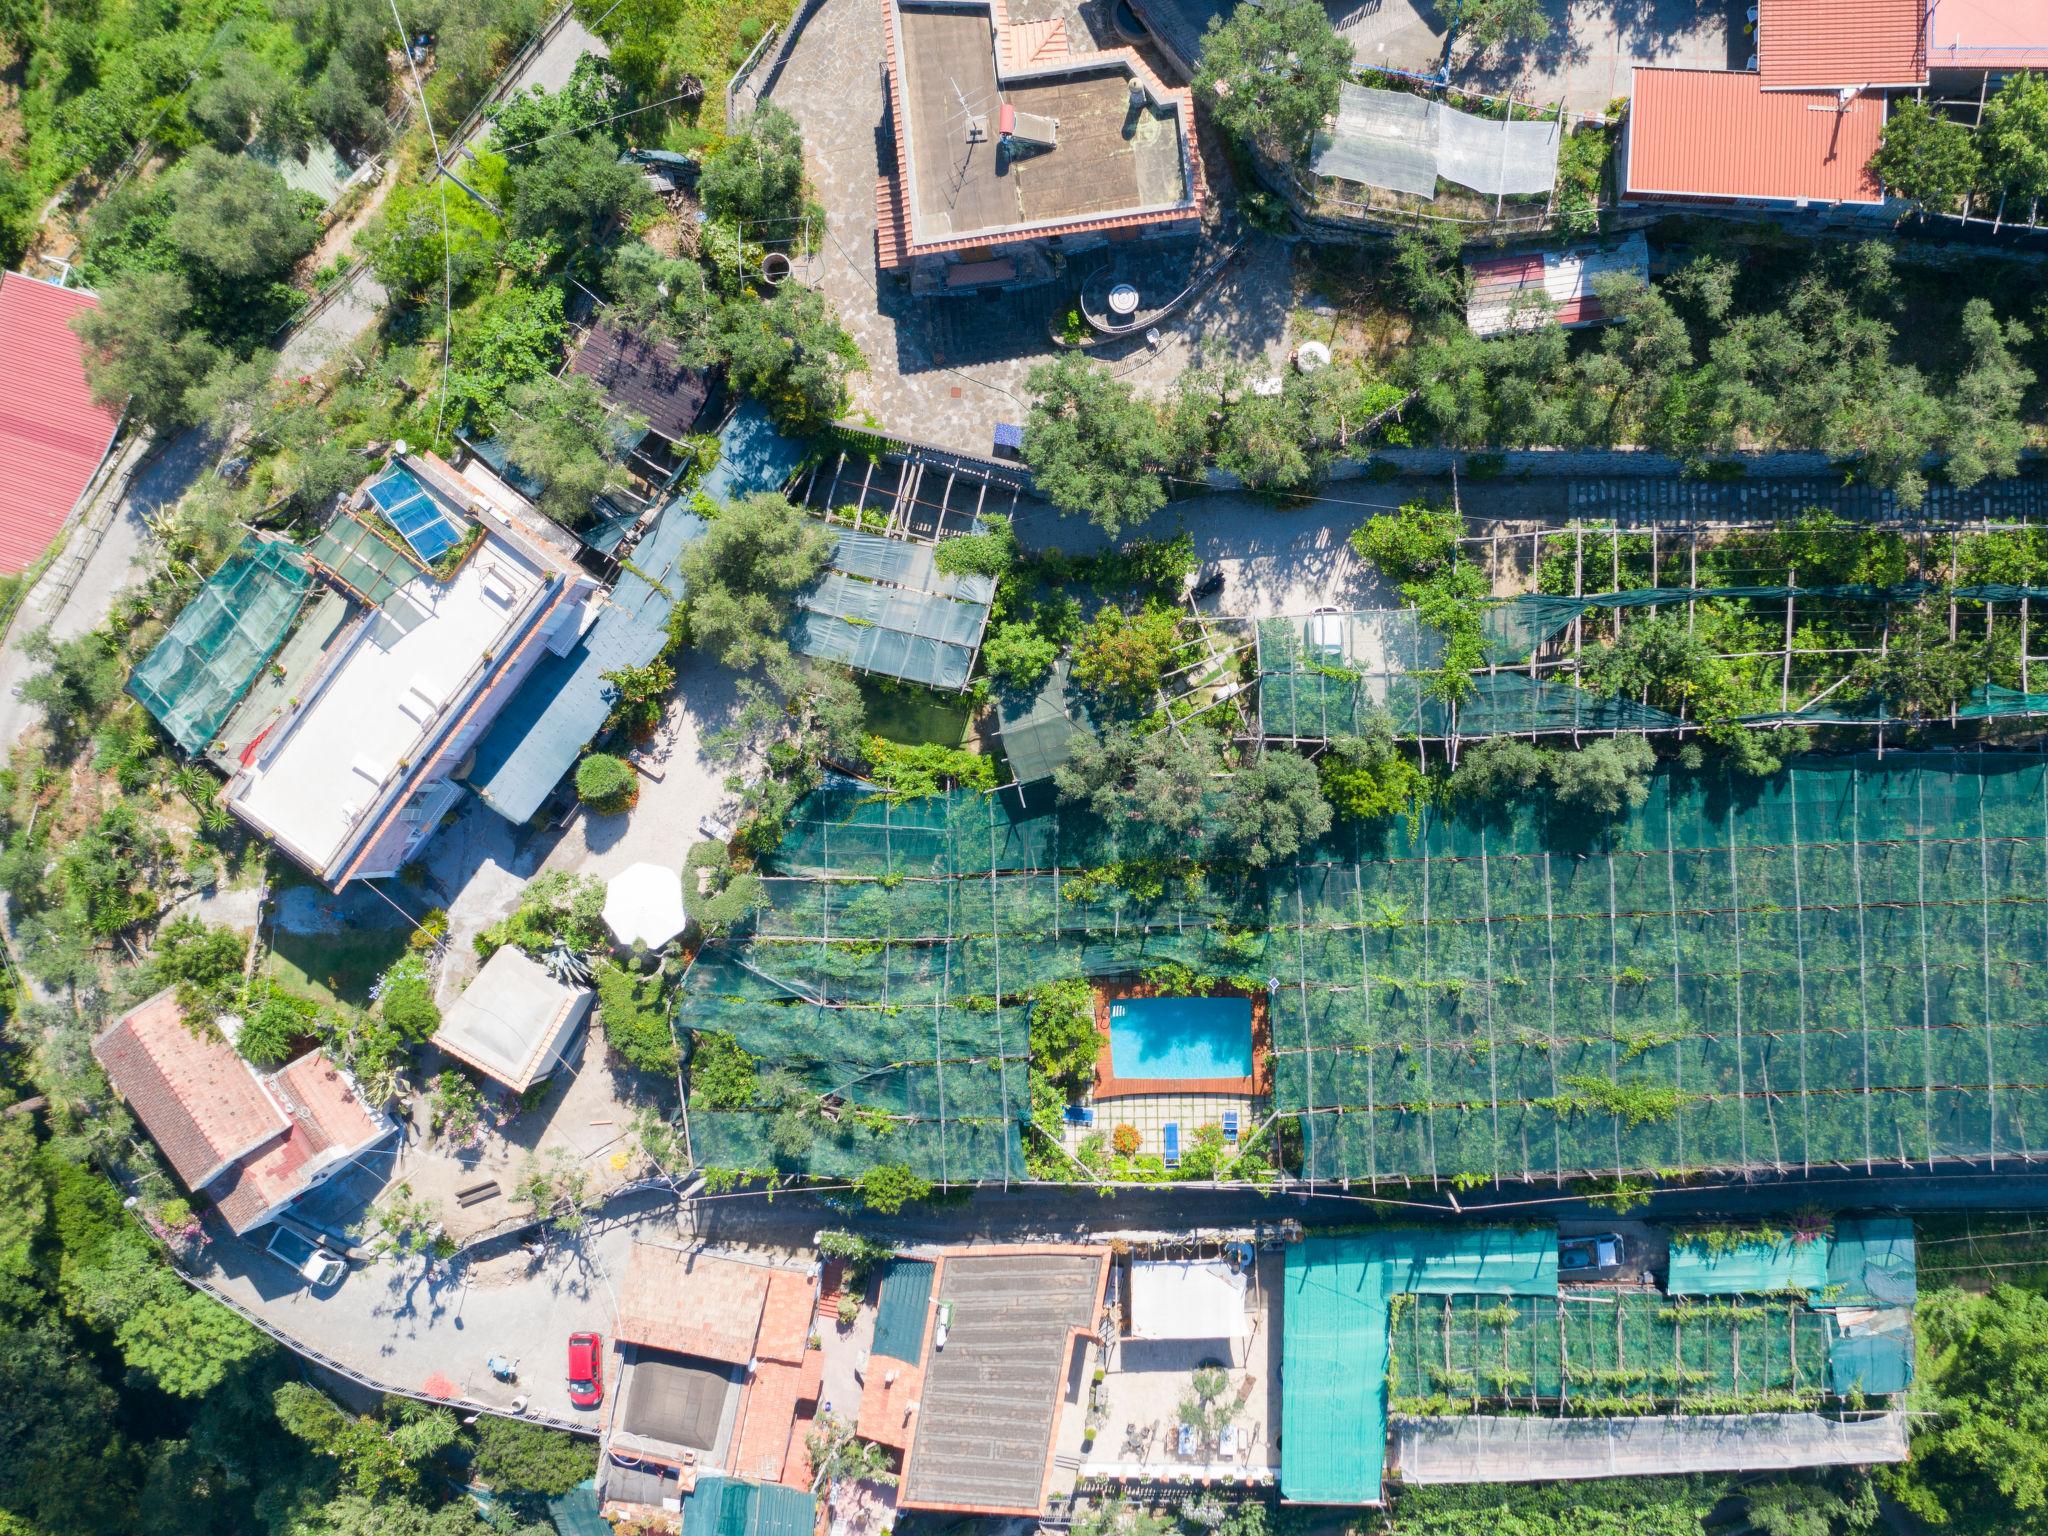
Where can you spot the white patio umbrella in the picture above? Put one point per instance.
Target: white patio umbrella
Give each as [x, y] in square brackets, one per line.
[644, 904]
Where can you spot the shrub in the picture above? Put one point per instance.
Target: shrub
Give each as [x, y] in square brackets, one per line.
[1125, 1141]
[1018, 655]
[406, 999]
[606, 784]
[1411, 544]
[979, 554]
[274, 1026]
[888, 1187]
[513, 1457]
[205, 964]
[849, 1310]
[1365, 777]
[1126, 655]
[915, 772]
[1063, 1037]
[636, 1019]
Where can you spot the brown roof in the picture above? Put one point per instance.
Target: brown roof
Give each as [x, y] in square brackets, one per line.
[200, 1102]
[1717, 134]
[1032, 48]
[690, 1303]
[329, 1124]
[1804, 44]
[645, 375]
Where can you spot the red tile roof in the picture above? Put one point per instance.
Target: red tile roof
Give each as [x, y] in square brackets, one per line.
[768, 1438]
[329, 1124]
[200, 1102]
[1717, 134]
[786, 1316]
[888, 1402]
[1808, 44]
[52, 437]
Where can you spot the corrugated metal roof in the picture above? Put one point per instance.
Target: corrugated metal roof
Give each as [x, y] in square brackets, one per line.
[900, 1314]
[563, 703]
[1502, 292]
[645, 375]
[1706, 133]
[1804, 44]
[52, 436]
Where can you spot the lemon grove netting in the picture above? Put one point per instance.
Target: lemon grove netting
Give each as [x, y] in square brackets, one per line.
[1842, 963]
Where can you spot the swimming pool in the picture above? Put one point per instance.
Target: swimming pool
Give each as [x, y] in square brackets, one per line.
[1181, 1037]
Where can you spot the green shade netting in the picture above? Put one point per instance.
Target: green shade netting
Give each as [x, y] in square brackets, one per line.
[219, 644]
[1334, 1315]
[726, 1506]
[1874, 1263]
[1748, 1268]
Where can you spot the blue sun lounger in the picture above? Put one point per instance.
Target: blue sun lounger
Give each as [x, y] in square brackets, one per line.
[1173, 1143]
[1230, 1126]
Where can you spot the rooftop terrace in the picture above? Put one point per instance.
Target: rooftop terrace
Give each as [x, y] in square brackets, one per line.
[1114, 152]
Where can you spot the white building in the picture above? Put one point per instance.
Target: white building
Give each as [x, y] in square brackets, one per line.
[458, 596]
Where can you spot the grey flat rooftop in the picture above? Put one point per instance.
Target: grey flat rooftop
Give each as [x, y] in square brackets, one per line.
[679, 1401]
[1110, 158]
[992, 1397]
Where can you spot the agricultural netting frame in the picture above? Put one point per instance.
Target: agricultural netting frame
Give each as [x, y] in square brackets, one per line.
[1624, 1350]
[1793, 609]
[1841, 964]
[219, 644]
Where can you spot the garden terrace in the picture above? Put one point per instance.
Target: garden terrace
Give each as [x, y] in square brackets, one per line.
[1607, 1352]
[1796, 617]
[1839, 964]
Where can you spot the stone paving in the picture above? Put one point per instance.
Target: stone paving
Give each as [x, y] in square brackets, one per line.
[1594, 44]
[946, 370]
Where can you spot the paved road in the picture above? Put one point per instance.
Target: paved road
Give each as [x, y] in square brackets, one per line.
[411, 1328]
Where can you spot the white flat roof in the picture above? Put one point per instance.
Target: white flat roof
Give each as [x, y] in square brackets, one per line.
[382, 694]
[1187, 1299]
[513, 1019]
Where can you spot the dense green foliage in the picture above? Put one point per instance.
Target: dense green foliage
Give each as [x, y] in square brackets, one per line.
[634, 1008]
[606, 784]
[1126, 655]
[1269, 73]
[1094, 448]
[758, 553]
[1064, 1041]
[928, 768]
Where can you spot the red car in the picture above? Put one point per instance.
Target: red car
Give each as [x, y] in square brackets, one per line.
[586, 1369]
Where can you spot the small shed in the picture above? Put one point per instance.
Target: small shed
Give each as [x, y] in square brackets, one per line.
[514, 1021]
[644, 376]
[1523, 290]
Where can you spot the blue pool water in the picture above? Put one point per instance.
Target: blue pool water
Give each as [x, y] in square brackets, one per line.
[1181, 1037]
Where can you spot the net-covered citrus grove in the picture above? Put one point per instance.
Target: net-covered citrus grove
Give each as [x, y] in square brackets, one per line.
[1842, 963]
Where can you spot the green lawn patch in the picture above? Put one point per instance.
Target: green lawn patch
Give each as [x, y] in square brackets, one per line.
[335, 967]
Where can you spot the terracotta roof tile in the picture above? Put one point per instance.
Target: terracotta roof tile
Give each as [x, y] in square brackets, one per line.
[200, 1102]
[1808, 44]
[1987, 34]
[786, 1316]
[52, 437]
[1717, 134]
[329, 1124]
[691, 1303]
[761, 1449]
[887, 1405]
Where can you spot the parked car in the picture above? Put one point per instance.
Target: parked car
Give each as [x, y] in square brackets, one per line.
[1589, 1253]
[316, 1264]
[586, 1369]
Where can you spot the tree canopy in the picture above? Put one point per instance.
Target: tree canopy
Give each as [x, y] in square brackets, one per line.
[757, 554]
[1270, 73]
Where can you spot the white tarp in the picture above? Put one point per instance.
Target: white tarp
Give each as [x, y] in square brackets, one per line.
[1186, 1299]
[1403, 143]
